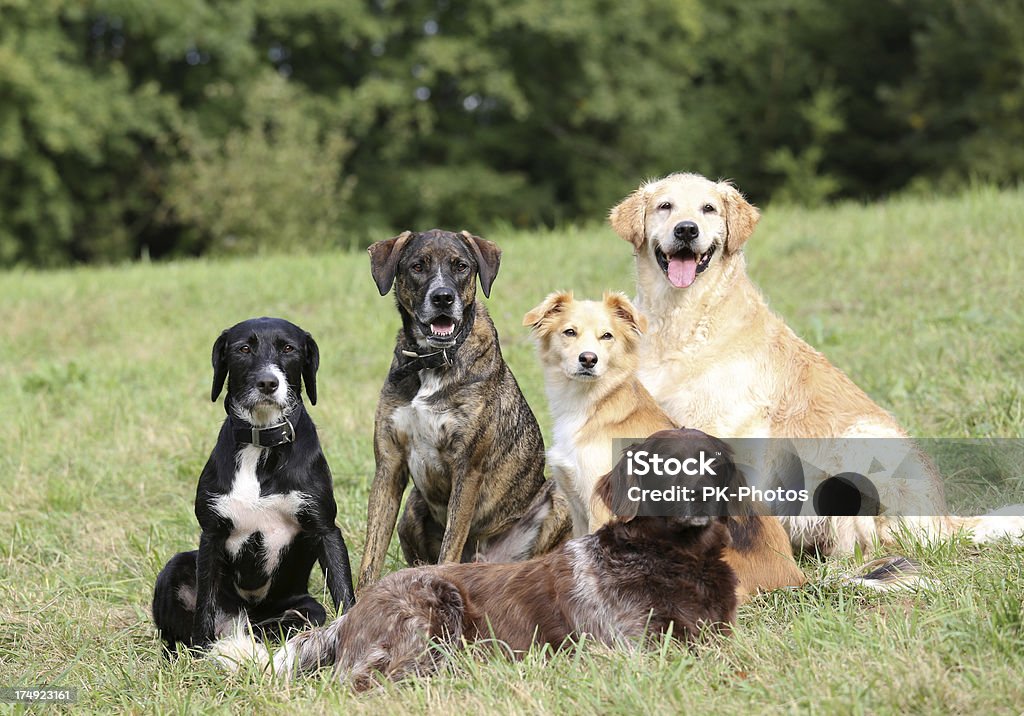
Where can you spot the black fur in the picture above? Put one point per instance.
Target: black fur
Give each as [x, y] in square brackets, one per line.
[245, 356]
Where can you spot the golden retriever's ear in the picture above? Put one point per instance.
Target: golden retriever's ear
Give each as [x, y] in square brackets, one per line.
[540, 316]
[623, 309]
[488, 259]
[384, 257]
[740, 217]
[627, 218]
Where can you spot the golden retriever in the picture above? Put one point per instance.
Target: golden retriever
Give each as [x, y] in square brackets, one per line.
[589, 351]
[718, 359]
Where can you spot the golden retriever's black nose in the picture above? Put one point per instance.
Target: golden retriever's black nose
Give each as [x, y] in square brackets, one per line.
[686, 230]
[442, 298]
[588, 359]
[267, 383]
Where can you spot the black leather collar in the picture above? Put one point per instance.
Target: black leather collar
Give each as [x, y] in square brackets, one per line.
[412, 359]
[267, 437]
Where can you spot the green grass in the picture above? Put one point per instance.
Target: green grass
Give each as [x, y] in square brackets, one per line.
[106, 425]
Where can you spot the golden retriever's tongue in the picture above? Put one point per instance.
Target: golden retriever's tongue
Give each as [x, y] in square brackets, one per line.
[681, 272]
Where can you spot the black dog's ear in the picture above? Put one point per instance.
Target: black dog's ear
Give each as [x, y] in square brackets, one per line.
[384, 257]
[220, 365]
[488, 259]
[310, 367]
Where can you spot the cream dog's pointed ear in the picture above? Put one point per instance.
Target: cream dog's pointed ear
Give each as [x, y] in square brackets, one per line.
[538, 316]
[740, 217]
[628, 217]
[624, 310]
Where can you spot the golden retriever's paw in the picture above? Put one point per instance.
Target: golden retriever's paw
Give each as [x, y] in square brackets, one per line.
[1004, 523]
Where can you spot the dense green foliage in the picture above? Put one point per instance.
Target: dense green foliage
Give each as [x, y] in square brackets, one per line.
[133, 128]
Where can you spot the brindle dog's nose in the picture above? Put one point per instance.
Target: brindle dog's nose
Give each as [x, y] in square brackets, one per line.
[686, 230]
[442, 298]
[588, 359]
[267, 383]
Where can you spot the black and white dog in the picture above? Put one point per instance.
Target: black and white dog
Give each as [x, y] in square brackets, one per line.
[264, 502]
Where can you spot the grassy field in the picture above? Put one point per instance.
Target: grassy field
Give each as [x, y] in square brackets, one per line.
[107, 423]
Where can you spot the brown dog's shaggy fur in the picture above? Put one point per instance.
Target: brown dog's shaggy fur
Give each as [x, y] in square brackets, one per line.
[630, 580]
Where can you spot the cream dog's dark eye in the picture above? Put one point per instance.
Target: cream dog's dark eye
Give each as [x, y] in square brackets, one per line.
[665, 206]
[607, 337]
[569, 332]
[708, 209]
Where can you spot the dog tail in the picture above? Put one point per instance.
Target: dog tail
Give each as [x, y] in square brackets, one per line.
[892, 574]
[304, 652]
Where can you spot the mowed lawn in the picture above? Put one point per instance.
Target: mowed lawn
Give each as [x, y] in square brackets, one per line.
[107, 423]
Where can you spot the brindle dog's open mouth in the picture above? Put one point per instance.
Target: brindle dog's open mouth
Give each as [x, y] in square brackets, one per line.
[440, 330]
[682, 268]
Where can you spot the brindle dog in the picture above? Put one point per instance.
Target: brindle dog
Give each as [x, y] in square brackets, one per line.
[451, 417]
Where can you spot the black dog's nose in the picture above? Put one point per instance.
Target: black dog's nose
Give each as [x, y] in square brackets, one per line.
[588, 359]
[686, 230]
[442, 297]
[267, 383]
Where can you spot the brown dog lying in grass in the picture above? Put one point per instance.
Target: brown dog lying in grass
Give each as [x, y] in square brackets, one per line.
[634, 579]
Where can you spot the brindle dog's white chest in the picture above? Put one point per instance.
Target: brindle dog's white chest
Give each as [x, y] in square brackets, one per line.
[424, 430]
[275, 517]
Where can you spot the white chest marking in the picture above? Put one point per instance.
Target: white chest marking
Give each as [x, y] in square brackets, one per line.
[422, 425]
[275, 516]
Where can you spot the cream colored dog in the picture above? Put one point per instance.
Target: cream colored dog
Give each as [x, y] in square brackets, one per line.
[717, 359]
[589, 351]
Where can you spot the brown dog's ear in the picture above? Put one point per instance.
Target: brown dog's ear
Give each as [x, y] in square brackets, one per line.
[552, 305]
[740, 217]
[612, 489]
[624, 309]
[220, 365]
[488, 259]
[627, 218]
[384, 257]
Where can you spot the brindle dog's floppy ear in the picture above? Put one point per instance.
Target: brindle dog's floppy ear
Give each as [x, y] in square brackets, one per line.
[740, 217]
[628, 217]
[624, 309]
[550, 306]
[220, 365]
[384, 257]
[488, 259]
[310, 366]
